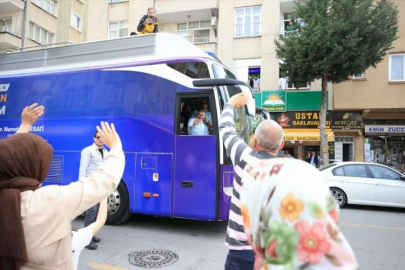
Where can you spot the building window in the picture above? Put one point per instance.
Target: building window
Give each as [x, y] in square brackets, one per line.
[397, 67]
[117, 29]
[117, 1]
[76, 21]
[248, 21]
[195, 32]
[358, 76]
[47, 5]
[40, 35]
[288, 25]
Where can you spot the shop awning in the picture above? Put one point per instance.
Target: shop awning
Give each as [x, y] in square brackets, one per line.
[309, 135]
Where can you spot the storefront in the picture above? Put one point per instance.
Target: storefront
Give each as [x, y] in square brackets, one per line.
[298, 113]
[349, 141]
[301, 132]
[386, 144]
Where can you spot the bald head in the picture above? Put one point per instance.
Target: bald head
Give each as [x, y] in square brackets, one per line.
[269, 135]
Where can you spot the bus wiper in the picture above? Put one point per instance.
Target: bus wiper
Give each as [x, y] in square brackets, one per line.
[218, 82]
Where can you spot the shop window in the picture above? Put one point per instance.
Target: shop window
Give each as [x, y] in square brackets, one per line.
[355, 171]
[248, 21]
[397, 67]
[384, 173]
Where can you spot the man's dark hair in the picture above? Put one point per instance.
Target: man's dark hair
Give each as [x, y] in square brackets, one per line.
[95, 134]
[151, 8]
[133, 34]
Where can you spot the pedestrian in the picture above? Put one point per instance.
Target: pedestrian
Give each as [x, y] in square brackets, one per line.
[266, 142]
[256, 84]
[148, 23]
[81, 238]
[313, 159]
[35, 223]
[291, 218]
[91, 159]
[250, 81]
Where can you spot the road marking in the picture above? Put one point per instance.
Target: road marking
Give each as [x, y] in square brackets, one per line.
[100, 266]
[372, 226]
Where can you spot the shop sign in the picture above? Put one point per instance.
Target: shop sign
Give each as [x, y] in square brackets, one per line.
[384, 129]
[274, 101]
[346, 120]
[302, 119]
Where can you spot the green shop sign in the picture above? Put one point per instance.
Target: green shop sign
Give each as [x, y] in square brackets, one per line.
[274, 101]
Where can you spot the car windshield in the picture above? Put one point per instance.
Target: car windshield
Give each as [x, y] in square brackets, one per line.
[327, 166]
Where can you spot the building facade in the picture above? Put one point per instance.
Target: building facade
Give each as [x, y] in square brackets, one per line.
[379, 95]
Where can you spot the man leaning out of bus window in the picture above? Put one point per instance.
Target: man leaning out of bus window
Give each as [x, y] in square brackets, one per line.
[199, 125]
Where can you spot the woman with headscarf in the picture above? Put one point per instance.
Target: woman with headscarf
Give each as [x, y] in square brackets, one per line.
[35, 223]
[290, 218]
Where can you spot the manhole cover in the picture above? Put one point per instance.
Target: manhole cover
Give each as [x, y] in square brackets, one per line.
[152, 258]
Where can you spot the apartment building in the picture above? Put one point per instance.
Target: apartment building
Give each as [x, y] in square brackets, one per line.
[48, 22]
[378, 95]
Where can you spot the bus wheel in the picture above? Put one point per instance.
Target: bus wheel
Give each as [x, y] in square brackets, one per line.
[118, 205]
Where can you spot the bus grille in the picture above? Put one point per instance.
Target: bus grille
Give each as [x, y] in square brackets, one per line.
[55, 172]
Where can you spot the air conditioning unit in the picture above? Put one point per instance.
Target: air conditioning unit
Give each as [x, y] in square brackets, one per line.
[214, 21]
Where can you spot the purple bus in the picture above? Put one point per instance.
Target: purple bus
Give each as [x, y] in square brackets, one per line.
[149, 86]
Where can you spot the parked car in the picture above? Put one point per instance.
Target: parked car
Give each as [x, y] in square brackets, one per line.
[365, 183]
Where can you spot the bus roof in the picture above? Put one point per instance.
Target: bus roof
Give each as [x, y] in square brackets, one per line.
[121, 52]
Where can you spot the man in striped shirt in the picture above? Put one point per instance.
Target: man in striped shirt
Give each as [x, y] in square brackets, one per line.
[267, 141]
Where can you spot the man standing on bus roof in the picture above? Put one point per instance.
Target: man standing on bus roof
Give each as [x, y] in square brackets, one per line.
[199, 125]
[267, 141]
[91, 159]
[148, 24]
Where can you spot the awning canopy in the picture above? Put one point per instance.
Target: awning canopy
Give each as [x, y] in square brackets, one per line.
[304, 134]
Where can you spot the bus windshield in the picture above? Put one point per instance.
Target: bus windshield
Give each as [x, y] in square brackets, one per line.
[243, 122]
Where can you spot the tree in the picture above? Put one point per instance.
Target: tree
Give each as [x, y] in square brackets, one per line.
[336, 39]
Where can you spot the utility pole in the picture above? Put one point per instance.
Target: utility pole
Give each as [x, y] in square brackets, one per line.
[24, 26]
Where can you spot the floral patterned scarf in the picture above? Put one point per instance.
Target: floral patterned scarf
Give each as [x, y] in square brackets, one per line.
[290, 218]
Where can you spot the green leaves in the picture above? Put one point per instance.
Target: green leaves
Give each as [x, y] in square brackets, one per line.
[337, 38]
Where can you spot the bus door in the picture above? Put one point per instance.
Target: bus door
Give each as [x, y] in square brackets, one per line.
[196, 155]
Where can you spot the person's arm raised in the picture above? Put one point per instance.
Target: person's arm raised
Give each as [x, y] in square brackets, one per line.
[29, 116]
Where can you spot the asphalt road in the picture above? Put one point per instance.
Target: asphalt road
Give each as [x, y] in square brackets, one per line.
[376, 234]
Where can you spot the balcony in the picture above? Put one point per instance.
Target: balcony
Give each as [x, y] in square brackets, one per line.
[286, 5]
[11, 5]
[10, 38]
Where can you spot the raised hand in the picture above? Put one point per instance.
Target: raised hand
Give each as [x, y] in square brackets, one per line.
[239, 100]
[29, 116]
[109, 135]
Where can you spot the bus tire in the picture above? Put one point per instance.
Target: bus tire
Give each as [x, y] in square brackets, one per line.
[118, 205]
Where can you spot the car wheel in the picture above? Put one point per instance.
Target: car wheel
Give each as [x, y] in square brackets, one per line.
[118, 205]
[339, 196]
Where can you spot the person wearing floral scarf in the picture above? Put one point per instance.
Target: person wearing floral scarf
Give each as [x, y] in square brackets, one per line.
[291, 219]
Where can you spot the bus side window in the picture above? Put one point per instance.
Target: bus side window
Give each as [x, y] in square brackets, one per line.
[189, 111]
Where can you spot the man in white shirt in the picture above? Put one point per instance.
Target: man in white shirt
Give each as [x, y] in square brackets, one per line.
[91, 159]
[256, 84]
[199, 125]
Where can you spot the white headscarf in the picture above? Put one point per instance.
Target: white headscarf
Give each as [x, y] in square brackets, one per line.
[290, 218]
